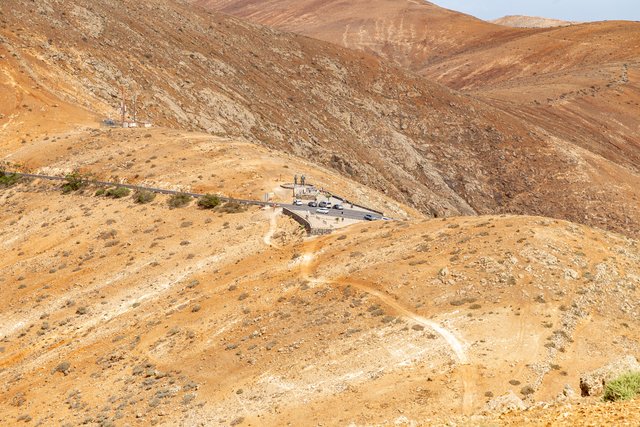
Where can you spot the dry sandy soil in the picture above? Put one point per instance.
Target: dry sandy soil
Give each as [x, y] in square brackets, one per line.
[439, 151]
[117, 313]
[186, 316]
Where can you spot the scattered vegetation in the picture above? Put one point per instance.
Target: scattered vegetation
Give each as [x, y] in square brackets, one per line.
[624, 387]
[179, 200]
[74, 182]
[527, 390]
[233, 207]
[117, 192]
[63, 368]
[8, 179]
[143, 196]
[209, 201]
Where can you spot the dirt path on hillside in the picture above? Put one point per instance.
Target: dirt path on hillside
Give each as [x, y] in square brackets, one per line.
[467, 372]
[273, 226]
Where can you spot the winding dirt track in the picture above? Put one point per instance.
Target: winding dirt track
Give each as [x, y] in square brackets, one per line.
[273, 225]
[466, 371]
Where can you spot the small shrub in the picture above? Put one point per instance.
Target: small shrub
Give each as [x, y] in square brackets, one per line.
[233, 207]
[143, 196]
[117, 192]
[625, 387]
[527, 390]
[8, 179]
[100, 192]
[74, 182]
[179, 200]
[209, 201]
[63, 368]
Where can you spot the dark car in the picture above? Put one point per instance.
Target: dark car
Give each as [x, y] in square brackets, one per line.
[313, 204]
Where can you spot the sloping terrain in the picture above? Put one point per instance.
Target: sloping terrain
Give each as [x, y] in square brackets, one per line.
[521, 21]
[114, 312]
[412, 33]
[441, 152]
[577, 85]
[578, 414]
[185, 316]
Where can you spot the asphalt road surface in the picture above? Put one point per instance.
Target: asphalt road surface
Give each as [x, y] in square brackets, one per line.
[299, 210]
[345, 213]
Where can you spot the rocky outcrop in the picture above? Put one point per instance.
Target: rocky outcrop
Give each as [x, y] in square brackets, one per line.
[505, 403]
[592, 383]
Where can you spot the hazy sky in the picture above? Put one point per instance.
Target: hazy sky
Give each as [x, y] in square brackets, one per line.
[570, 10]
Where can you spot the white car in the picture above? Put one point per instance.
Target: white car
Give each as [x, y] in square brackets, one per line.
[297, 202]
[322, 210]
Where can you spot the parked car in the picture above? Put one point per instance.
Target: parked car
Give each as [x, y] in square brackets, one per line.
[297, 202]
[313, 204]
[338, 206]
[322, 210]
[324, 204]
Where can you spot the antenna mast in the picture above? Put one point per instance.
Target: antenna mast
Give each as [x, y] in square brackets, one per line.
[123, 106]
[135, 108]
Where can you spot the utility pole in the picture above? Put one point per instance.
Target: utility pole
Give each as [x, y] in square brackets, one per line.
[135, 109]
[295, 183]
[123, 105]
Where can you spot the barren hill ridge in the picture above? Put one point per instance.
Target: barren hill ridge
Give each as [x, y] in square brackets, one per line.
[521, 21]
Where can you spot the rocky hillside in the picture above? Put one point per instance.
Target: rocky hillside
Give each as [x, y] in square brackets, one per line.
[578, 86]
[119, 312]
[411, 33]
[219, 337]
[425, 145]
[186, 316]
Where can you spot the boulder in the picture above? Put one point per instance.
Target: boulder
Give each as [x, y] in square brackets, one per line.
[592, 383]
[505, 403]
[567, 394]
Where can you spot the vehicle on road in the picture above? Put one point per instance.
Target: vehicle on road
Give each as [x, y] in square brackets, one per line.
[338, 206]
[297, 202]
[371, 217]
[322, 210]
[324, 204]
[313, 204]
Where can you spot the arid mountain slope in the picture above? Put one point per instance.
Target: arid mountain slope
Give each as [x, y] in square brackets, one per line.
[439, 151]
[577, 85]
[186, 316]
[114, 312]
[412, 33]
[521, 21]
[426, 38]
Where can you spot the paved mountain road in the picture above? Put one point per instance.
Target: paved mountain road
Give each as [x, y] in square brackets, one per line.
[301, 211]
